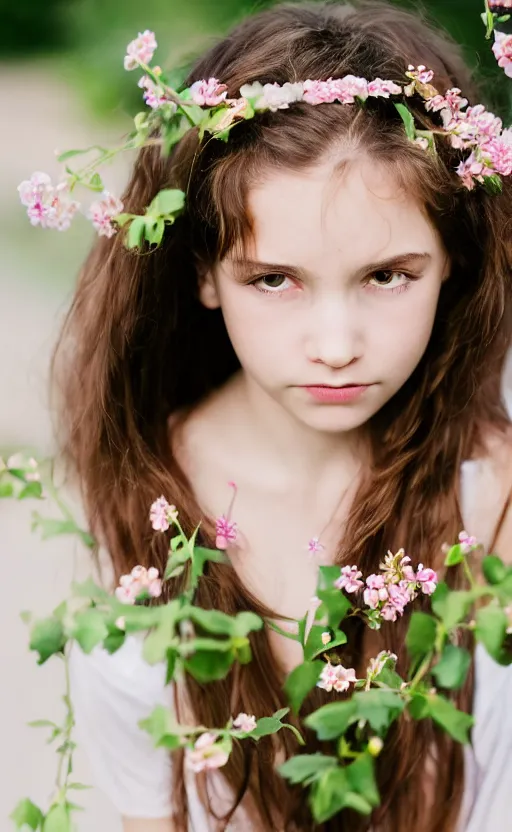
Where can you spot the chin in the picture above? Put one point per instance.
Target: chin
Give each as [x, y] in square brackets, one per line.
[335, 419]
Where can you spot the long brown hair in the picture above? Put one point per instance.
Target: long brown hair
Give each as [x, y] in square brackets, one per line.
[138, 346]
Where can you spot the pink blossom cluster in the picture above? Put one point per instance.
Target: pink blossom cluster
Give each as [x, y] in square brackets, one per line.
[103, 212]
[502, 48]
[206, 754]
[345, 90]
[336, 677]
[154, 94]
[140, 50]
[49, 206]
[162, 514]
[393, 588]
[467, 542]
[208, 93]
[139, 580]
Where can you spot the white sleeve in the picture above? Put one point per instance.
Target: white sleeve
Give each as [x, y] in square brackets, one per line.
[490, 781]
[110, 693]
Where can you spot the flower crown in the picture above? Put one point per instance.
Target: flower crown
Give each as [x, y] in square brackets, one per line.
[205, 108]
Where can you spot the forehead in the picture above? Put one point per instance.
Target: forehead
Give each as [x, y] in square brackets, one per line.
[360, 213]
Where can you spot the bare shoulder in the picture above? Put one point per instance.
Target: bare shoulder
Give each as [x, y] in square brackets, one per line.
[499, 455]
[148, 825]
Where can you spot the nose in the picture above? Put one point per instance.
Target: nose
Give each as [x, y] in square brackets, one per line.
[334, 335]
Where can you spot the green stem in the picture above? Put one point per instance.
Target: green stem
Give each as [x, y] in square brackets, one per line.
[421, 672]
[468, 573]
[66, 755]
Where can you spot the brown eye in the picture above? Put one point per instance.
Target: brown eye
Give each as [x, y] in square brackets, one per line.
[384, 278]
[272, 281]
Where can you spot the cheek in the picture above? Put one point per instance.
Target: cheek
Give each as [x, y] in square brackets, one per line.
[400, 329]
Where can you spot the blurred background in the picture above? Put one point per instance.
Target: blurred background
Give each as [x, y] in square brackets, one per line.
[62, 86]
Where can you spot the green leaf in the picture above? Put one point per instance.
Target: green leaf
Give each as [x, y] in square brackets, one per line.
[52, 528]
[57, 819]
[451, 607]
[160, 639]
[421, 635]
[452, 668]
[408, 120]
[334, 604]
[418, 707]
[207, 666]
[300, 681]
[136, 232]
[202, 556]
[163, 728]
[42, 723]
[314, 645]
[78, 786]
[331, 793]
[246, 622]
[332, 720]
[90, 629]
[494, 569]
[154, 231]
[6, 489]
[378, 707]
[361, 778]
[447, 716]
[491, 627]
[167, 201]
[27, 813]
[95, 182]
[47, 638]
[306, 768]
[68, 154]
[32, 489]
[90, 589]
[454, 555]
[493, 184]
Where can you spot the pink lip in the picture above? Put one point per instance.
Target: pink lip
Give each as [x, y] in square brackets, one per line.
[336, 395]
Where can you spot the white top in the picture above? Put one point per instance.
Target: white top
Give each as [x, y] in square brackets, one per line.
[111, 693]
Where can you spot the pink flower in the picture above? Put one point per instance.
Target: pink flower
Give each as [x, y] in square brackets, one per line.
[314, 546]
[47, 205]
[384, 89]
[227, 532]
[377, 664]
[162, 514]
[349, 87]
[398, 597]
[140, 50]
[336, 677]
[502, 48]
[244, 722]
[420, 73]
[279, 97]
[319, 92]
[154, 94]
[497, 153]
[468, 542]
[376, 591]
[139, 580]
[208, 93]
[427, 579]
[207, 754]
[103, 212]
[349, 580]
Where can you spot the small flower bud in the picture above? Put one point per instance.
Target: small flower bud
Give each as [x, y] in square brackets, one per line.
[326, 637]
[375, 746]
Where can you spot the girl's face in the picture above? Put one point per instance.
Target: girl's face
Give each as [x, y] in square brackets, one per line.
[338, 312]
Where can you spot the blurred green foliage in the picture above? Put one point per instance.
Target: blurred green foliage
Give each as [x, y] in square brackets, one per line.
[88, 38]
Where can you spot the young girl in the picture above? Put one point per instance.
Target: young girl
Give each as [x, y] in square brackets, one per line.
[325, 326]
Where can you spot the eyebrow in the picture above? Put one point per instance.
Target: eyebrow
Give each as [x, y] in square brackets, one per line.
[415, 258]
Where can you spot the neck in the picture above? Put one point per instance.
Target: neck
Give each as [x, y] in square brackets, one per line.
[291, 449]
